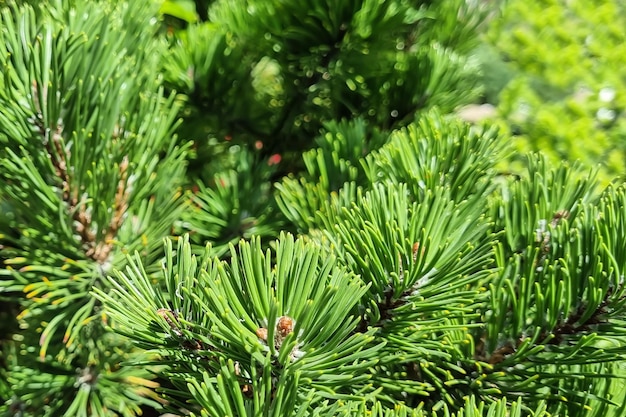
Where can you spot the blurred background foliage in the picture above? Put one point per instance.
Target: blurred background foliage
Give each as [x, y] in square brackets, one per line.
[554, 71]
[294, 66]
[550, 75]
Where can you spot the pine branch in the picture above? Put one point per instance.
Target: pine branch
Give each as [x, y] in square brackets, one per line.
[90, 169]
[287, 320]
[97, 250]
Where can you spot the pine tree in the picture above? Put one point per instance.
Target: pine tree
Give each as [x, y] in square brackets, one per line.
[332, 242]
[90, 171]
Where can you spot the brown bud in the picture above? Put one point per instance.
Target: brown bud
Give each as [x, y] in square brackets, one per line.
[261, 333]
[416, 251]
[284, 326]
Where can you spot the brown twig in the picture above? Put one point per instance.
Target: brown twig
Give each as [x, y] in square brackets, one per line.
[100, 252]
[97, 250]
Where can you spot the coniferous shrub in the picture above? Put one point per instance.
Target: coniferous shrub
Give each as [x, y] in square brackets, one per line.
[387, 266]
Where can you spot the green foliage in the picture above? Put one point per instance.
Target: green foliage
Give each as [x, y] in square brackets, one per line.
[90, 171]
[558, 276]
[238, 203]
[462, 299]
[181, 9]
[444, 310]
[294, 66]
[424, 280]
[549, 195]
[260, 335]
[566, 95]
[433, 152]
[437, 152]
